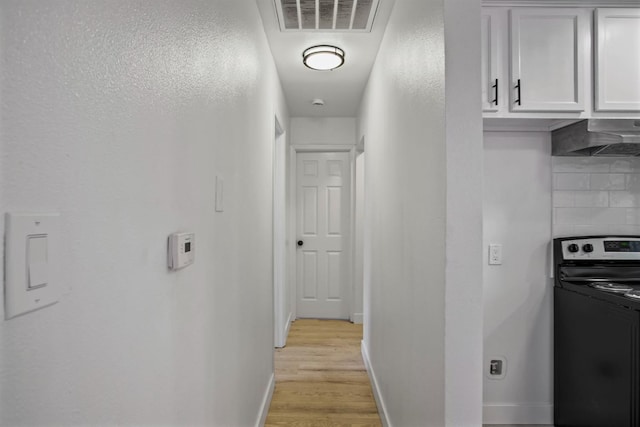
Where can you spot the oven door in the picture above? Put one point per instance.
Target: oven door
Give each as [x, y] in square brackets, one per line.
[596, 352]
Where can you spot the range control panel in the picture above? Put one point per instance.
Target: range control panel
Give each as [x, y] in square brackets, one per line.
[604, 248]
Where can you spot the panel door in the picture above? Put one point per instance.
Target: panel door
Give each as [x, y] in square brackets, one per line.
[323, 225]
[548, 59]
[617, 60]
[491, 38]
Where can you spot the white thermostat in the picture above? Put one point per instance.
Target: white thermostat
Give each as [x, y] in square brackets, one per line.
[181, 250]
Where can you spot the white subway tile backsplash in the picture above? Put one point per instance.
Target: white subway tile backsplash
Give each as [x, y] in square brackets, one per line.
[563, 199]
[563, 230]
[627, 164]
[591, 199]
[590, 230]
[606, 216]
[624, 229]
[632, 182]
[574, 216]
[581, 164]
[571, 181]
[624, 199]
[633, 216]
[596, 196]
[607, 181]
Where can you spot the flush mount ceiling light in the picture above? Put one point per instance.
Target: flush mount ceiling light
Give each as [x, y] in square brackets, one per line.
[323, 57]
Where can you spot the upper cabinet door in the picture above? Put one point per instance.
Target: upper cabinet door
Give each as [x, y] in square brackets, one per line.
[492, 35]
[617, 59]
[548, 59]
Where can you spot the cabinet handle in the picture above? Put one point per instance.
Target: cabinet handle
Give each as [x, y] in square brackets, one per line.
[517, 101]
[495, 86]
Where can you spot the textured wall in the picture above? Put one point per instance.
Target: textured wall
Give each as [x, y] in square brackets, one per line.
[518, 317]
[403, 120]
[323, 130]
[119, 114]
[463, 297]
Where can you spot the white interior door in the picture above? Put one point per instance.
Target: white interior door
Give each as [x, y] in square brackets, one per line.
[323, 225]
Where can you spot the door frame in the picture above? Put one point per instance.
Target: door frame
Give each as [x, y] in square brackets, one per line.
[293, 205]
[281, 314]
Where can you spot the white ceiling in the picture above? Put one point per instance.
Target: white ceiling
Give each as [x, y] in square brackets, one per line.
[341, 89]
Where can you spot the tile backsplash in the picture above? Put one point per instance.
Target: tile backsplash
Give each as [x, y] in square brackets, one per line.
[596, 195]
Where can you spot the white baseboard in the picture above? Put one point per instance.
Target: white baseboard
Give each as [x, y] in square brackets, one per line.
[288, 326]
[532, 413]
[382, 409]
[357, 318]
[266, 401]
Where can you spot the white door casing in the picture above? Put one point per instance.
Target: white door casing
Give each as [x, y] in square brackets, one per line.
[281, 295]
[323, 223]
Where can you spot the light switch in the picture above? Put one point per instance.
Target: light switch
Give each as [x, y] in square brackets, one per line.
[495, 254]
[219, 194]
[37, 263]
[31, 253]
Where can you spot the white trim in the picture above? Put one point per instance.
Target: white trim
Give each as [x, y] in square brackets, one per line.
[382, 408]
[559, 3]
[357, 318]
[266, 401]
[319, 148]
[524, 125]
[288, 326]
[279, 237]
[530, 413]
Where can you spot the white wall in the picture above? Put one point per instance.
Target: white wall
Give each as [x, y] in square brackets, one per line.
[411, 155]
[119, 115]
[358, 262]
[323, 130]
[596, 195]
[518, 294]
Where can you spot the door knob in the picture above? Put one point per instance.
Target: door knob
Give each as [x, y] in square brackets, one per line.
[300, 243]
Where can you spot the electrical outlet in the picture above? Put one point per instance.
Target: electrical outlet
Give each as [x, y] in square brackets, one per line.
[495, 254]
[497, 368]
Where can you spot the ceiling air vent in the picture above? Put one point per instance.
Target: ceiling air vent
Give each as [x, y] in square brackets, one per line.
[326, 15]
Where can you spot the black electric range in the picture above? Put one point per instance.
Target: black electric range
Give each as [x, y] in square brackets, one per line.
[597, 331]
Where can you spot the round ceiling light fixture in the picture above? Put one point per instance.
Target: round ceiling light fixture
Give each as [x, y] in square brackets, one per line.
[323, 57]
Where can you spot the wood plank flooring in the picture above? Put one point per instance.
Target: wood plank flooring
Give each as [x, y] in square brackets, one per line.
[321, 379]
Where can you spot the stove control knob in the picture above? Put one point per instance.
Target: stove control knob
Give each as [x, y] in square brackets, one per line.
[588, 248]
[573, 248]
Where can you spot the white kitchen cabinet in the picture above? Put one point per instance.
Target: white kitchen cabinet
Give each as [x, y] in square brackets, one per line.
[493, 78]
[617, 59]
[548, 50]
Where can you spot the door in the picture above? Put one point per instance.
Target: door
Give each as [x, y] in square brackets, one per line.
[548, 59]
[617, 59]
[323, 205]
[492, 25]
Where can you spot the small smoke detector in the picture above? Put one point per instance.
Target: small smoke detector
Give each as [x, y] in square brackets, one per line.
[318, 102]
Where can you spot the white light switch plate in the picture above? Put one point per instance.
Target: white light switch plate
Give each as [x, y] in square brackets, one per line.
[31, 262]
[495, 254]
[219, 194]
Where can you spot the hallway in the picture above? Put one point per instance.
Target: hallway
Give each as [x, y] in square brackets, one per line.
[321, 379]
[133, 121]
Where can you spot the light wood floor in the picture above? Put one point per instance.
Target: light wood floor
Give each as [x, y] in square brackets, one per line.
[321, 380]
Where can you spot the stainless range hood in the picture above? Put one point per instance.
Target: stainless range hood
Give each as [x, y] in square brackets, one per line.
[597, 137]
